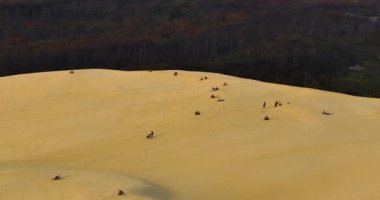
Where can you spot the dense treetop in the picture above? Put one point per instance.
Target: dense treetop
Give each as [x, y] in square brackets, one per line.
[331, 45]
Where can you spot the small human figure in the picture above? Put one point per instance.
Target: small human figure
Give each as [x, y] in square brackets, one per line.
[264, 104]
[326, 113]
[56, 178]
[121, 193]
[276, 104]
[214, 88]
[150, 135]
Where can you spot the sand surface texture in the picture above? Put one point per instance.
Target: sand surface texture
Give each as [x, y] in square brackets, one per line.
[90, 128]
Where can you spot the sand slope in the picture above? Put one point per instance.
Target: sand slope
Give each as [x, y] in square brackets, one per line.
[90, 127]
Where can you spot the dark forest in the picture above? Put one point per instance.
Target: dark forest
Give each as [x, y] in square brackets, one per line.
[331, 45]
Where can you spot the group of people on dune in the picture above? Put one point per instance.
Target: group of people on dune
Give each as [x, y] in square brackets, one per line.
[150, 134]
[276, 104]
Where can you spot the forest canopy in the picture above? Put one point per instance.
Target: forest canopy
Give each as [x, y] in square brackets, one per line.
[332, 45]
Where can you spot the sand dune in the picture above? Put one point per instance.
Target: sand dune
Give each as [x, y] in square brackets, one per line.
[90, 127]
[32, 183]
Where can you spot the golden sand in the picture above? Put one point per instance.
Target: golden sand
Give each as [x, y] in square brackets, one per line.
[90, 128]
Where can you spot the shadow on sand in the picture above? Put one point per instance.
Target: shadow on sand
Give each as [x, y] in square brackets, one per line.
[155, 192]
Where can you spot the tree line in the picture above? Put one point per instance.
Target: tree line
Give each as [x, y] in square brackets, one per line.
[309, 44]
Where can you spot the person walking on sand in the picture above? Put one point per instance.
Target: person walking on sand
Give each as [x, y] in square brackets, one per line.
[150, 135]
[264, 104]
